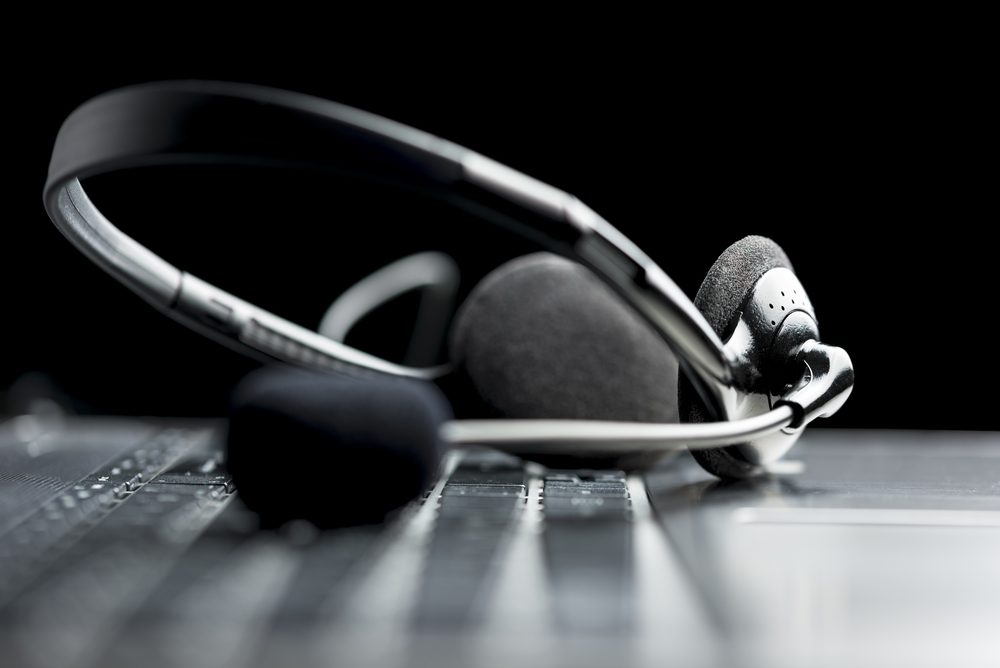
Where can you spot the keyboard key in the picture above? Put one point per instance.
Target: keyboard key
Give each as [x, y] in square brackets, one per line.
[482, 490]
[562, 507]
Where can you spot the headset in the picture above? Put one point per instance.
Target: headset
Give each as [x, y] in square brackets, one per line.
[754, 372]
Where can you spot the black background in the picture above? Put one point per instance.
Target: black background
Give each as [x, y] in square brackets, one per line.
[871, 173]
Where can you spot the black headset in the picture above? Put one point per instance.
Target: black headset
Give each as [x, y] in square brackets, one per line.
[573, 351]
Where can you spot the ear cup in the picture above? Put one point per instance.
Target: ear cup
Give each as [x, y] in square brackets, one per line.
[721, 299]
[542, 337]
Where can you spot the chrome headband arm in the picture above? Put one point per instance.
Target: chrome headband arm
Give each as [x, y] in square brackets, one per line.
[203, 307]
[199, 122]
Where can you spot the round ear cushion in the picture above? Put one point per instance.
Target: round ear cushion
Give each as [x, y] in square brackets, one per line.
[543, 337]
[720, 299]
[728, 283]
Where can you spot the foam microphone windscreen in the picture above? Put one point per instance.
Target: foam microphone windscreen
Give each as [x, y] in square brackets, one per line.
[543, 337]
[331, 450]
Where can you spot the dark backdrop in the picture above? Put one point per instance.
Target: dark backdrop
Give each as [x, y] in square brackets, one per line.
[868, 174]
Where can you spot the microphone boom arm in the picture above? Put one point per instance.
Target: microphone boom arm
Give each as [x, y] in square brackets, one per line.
[596, 436]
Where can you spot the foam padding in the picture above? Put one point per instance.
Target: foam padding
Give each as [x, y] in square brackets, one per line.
[543, 337]
[728, 283]
[375, 441]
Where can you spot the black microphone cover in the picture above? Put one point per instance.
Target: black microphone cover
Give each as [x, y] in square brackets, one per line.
[543, 337]
[331, 450]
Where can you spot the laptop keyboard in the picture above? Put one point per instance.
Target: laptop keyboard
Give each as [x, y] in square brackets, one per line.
[149, 553]
[116, 499]
[478, 504]
[587, 543]
[123, 542]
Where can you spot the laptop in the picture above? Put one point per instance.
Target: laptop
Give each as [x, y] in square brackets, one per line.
[123, 542]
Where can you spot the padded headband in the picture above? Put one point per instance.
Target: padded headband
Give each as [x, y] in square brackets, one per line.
[207, 122]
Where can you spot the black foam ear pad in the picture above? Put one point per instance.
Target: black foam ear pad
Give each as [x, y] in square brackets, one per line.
[543, 337]
[721, 299]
